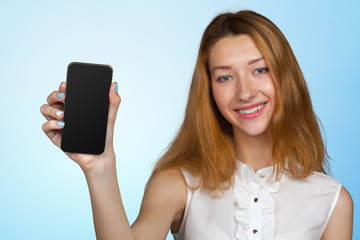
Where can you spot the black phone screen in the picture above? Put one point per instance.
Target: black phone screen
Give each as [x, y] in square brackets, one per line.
[86, 107]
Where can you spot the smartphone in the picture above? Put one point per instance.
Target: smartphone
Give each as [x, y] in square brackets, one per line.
[86, 107]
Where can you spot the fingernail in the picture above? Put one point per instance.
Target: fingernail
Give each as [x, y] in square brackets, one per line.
[58, 113]
[60, 95]
[61, 124]
[116, 87]
[60, 85]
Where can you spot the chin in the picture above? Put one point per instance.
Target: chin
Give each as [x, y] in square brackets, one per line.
[252, 132]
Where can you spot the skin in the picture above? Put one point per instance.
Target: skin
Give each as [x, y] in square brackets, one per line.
[340, 225]
[240, 78]
[165, 197]
[238, 81]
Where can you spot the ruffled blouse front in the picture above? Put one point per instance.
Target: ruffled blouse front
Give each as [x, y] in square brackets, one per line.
[257, 207]
[254, 212]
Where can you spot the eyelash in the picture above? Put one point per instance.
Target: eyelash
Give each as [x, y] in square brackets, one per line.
[262, 70]
[265, 70]
[222, 79]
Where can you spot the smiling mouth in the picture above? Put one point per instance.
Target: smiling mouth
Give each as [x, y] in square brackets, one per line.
[251, 110]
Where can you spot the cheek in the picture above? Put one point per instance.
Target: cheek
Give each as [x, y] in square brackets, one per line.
[270, 90]
[268, 87]
[223, 101]
[219, 97]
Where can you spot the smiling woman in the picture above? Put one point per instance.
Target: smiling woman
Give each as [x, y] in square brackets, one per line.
[248, 93]
[248, 161]
[250, 136]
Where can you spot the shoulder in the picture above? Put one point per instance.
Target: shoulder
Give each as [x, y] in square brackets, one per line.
[340, 216]
[317, 191]
[327, 198]
[341, 221]
[315, 184]
[167, 190]
[172, 174]
[169, 184]
[164, 202]
[321, 178]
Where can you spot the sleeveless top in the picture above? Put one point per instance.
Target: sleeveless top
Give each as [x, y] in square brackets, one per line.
[256, 207]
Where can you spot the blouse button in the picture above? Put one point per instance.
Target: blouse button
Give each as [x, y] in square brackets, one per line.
[262, 175]
[255, 199]
[254, 231]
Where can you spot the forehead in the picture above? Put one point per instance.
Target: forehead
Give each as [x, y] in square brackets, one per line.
[233, 49]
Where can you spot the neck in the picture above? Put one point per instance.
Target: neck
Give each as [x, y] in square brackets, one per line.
[255, 151]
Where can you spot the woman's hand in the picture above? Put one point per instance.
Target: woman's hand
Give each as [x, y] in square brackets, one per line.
[53, 111]
[165, 198]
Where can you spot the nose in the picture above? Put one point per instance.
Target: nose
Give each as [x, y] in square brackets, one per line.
[245, 88]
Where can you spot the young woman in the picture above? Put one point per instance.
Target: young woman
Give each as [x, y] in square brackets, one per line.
[248, 161]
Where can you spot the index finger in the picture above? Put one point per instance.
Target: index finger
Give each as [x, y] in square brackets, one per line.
[62, 87]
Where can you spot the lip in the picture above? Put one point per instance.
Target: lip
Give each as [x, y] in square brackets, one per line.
[251, 115]
[250, 106]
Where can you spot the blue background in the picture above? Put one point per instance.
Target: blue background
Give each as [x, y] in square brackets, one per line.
[152, 46]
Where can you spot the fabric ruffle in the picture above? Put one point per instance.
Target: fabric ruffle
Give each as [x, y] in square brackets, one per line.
[252, 215]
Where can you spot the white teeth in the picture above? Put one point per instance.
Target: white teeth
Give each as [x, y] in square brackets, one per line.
[254, 109]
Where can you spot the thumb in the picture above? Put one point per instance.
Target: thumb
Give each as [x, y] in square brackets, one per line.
[113, 108]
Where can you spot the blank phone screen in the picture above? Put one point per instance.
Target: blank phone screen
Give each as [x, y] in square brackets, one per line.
[86, 108]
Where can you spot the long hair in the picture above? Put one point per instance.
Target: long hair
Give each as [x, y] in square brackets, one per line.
[204, 144]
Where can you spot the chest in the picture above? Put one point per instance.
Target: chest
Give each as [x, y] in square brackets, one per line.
[290, 214]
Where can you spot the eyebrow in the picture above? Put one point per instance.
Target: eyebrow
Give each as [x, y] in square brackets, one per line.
[220, 67]
[255, 60]
[228, 67]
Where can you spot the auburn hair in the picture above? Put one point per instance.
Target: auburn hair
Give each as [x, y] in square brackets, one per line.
[204, 143]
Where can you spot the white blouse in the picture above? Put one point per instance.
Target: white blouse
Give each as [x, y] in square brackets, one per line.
[257, 207]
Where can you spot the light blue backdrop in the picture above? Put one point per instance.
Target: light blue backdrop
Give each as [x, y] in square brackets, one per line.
[152, 46]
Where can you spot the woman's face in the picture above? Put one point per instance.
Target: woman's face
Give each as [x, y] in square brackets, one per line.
[243, 87]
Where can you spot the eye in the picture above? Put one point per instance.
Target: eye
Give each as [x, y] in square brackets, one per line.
[224, 78]
[261, 70]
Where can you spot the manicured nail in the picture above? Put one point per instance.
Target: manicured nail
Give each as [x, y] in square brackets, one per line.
[116, 87]
[60, 95]
[60, 85]
[58, 113]
[61, 124]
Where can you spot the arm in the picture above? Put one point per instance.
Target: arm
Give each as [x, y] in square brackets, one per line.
[162, 207]
[110, 220]
[340, 225]
[165, 196]
[163, 204]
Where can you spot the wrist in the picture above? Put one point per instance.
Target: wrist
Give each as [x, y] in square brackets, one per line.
[102, 168]
[102, 181]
